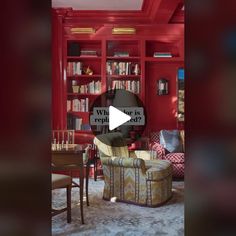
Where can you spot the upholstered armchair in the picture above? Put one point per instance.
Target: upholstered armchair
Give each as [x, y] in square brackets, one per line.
[176, 158]
[132, 179]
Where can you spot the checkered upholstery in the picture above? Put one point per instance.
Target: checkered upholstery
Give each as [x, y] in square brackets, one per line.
[159, 149]
[155, 137]
[177, 159]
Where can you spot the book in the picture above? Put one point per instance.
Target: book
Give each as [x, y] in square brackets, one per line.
[90, 88]
[78, 123]
[121, 54]
[86, 127]
[68, 105]
[130, 85]
[162, 54]
[88, 53]
[74, 68]
[80, 105]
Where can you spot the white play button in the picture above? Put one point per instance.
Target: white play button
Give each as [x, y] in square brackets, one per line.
[117, 118]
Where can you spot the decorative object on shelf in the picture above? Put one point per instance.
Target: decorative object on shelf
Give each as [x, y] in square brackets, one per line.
[88, 71]
[123, 31]
[82, 30]
[162, 86]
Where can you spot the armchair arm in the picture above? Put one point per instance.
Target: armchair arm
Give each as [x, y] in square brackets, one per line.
[143, 154]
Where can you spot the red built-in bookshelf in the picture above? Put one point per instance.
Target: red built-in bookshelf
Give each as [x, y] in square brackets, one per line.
[161, 110]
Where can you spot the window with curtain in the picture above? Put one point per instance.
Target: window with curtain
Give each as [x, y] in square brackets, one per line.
[180, 93]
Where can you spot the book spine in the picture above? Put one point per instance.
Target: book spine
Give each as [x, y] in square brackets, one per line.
[86, 104]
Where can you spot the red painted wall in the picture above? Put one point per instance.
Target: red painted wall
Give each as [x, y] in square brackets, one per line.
[161, 110]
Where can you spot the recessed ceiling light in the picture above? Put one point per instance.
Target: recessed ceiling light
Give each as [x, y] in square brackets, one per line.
[123, 31]
[82, 30]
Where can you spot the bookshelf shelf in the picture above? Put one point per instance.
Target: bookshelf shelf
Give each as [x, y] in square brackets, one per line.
[163, 59]
[83, 94]
[123, 58]
[83, 131]
[77, 77]
[124, 77]
[78, 113]
[79, 58]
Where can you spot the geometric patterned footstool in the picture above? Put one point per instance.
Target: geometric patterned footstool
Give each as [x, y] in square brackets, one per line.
[177, 160]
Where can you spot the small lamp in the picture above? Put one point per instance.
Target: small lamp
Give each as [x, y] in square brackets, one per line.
[162, 87]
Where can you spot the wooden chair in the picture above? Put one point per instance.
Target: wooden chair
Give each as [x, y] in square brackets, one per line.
[63, 161]
[69, 136]
[63, 135]
[63, 181]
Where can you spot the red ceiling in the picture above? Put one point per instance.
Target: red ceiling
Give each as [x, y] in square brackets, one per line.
[153, 12]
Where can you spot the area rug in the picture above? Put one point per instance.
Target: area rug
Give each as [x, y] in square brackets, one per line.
[118, 219]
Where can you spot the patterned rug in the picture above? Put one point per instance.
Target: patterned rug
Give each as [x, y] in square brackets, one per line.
[115, 218]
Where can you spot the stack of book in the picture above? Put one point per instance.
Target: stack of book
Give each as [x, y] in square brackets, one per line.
[74, 68]
[94, 87]
[88, 53]
[162, 54]
[121, 54]
[130, 85]
[76, 123]
[78, 105]
[122, 68]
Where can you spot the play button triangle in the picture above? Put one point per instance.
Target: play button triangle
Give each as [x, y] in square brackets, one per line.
[117, 118]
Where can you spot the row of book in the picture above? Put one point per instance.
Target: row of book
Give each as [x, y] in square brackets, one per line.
[94, 87]
[78, 105]
[74, 68]
[162, 54]
[88, 53]
[122, 68]
[130, 85]
[76, 123]
[121, 54]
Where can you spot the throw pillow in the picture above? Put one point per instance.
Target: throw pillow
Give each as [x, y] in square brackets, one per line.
[170, 139]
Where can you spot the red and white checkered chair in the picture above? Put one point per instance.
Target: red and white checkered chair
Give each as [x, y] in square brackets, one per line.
[177, 159]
